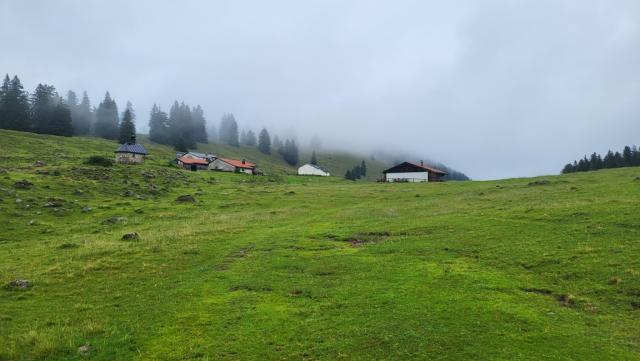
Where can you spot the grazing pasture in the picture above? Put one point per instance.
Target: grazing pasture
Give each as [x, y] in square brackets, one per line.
[151, 262]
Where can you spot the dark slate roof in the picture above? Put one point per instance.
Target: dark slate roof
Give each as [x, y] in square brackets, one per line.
[132, 148]
[406, 167]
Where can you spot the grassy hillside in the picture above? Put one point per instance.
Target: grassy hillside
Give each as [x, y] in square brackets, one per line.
[272, 268]
[336, 162]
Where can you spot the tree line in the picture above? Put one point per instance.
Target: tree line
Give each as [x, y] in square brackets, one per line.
[356, 172]
[45, 111]
[630, 157]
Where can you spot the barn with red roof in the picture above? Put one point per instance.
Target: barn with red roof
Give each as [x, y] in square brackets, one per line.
[233, 165]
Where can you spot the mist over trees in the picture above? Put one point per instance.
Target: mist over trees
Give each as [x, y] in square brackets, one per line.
[630, 157]
[228, 133]
[49, 114]
[81, 115]
[46, 112]
[356, 172]
[264, 142]
[158, 125]
[289, 152]
[107, 119]
[199, 124]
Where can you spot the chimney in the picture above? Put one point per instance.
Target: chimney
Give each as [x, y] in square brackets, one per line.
[421, 163]
[133, 138]
[243, 161]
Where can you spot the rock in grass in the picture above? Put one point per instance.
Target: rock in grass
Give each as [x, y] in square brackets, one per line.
[53, 204]
[115, 220]
[131, 237]
[23, 184]
[84, 350]
[186, 198]
[18, 285]
[86, 209]
[39, 163]
[542, 182]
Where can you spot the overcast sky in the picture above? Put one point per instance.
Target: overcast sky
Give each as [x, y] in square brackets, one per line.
[493, 88]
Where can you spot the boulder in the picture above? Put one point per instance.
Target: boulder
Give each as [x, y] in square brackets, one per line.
[53, 204]
[18, 285]
[115, 220]
[84, 350]
[186, 198]
[39, 163]
[23, 184]
[131, 237]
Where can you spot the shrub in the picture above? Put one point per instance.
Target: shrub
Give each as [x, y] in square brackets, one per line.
[99, 161]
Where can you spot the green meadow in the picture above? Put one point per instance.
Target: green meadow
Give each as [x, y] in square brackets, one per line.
[282, 267]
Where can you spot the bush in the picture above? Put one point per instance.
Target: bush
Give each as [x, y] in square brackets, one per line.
[99, 160]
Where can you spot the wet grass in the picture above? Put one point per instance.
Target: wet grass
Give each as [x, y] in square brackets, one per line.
[308, 268]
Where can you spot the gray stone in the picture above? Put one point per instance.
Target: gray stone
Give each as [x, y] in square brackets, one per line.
[23, 184]
[131, 237]
[186, 198]
[84, 350]
[18, 285]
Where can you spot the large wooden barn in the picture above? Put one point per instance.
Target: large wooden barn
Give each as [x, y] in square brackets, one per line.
[410, 172]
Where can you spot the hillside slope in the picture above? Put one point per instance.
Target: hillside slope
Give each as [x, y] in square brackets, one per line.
[335, 161]
[272, 268]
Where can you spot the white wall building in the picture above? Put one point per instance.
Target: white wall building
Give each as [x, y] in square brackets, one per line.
[312, 169]
[409, 172]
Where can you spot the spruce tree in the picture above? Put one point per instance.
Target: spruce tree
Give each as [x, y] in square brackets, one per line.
[356, 172]
[595, 162]
[199, 125]
[348, 176]
[181, 134]
[14, 105]
[83, 116]
[61, 122]
[127, 126]
[158, 126]
[107, 120]
[290, 152]
[42, 104]
[229, 130]
[250, 138]
[243, 137]
[313, 160]
[363, 168]
[264, 142]
[72, 103]
[627, 157]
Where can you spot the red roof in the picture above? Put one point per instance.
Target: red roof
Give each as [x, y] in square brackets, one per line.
[189, 160]
[238, 163]
[429, 169]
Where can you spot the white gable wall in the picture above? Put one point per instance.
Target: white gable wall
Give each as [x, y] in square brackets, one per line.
[310, 170]
[408, 177]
